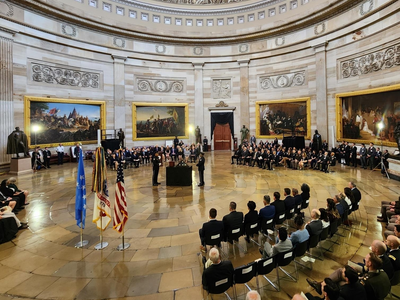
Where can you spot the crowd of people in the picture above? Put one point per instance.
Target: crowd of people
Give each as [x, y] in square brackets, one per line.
[12, 200]
[369, 279]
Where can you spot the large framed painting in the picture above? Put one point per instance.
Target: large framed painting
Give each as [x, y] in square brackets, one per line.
[279, 118]
[369, 115]
[50, 121]
[160, 121]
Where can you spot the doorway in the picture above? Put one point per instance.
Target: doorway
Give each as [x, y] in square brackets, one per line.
[222, 137]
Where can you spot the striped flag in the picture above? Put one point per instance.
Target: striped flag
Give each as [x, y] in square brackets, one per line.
[120, 208]
[80, 198]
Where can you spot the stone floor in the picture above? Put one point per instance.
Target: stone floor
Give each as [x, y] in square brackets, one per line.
[162, 261]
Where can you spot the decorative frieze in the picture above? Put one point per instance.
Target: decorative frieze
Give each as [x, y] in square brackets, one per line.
[119, 42]
[319, 28]
[366, 7]
[280, 41]
[64, 76]
[148, 85]
[221, 88]
[68, 30]
[243, 48]
[371, 62]
[160, 48]
[283, 80]
[6, 8]
[198, 50]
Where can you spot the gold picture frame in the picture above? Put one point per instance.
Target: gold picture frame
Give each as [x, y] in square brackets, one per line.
[159, 121]
[360, 115]
[272, 118]
[53, 126]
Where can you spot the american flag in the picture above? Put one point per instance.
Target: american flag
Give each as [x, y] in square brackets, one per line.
[120, 208]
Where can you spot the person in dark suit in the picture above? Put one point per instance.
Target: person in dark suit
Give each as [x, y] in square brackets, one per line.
[353, 289]
[289, 200]
[156, 167]
[393, 252]
[212, 227]
[376, 282]
[200, 166]
[371, 153]
[329, 289]
[363, 156]
[219, 270]
[46, 157]
[356, 193]
[298, 200]
[268, 211]
[347, 153]
[279, 205]
[353, 155]
[314, 227]
[250, 218]
[232, 220]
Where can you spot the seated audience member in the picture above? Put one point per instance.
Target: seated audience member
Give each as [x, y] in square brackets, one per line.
[12, 184]
[6, 212]
[289, 200]
[279, 205]
[324, 218]
[352, 289]
[212, 227]
[283, 245]
[268, 211]
[298, 200]
[218, 270]
[339, 205]
[333, 213]
[17, 196]
[305, 194]
[253, 295]
[379, 248]
[314, 227]
[395, 220]
[349, 198]
[301, 234]
[329, 289]
[250, 218]
[388, 209]
[393, 251]
[236, 156]
[232, 220]
[375, 281]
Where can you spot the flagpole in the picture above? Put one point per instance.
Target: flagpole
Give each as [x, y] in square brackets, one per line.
[123, 246]
[102, 244]
[82, 243]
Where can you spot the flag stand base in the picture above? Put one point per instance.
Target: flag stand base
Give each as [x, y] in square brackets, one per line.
[101, 245]
[123, 247]
[81, 244]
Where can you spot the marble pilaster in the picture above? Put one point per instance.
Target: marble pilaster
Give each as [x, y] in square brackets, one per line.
[244, 93]
[119, 92]
[321, 90]
[198, 98]
[6, 91]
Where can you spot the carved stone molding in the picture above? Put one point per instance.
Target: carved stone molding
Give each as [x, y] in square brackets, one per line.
[366, 7]
[198, 50]
[6, 8]
[221, 88]
[243, 48]
[68, 30]
[280, 41]
[221, 104]
[319, 28]
[119, 42]
[64, 76]
[283, 80]
[147, 85]
[385, 58]
[160, 48]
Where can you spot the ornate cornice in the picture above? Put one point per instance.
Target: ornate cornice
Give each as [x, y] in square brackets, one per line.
[282, 80]
[159, 85]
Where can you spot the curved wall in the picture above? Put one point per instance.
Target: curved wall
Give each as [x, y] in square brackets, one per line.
[314, 51]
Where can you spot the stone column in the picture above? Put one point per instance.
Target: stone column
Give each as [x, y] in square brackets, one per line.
[198, 98]
[244, 94]
[6, 91]
[119, 92]
[321, 92]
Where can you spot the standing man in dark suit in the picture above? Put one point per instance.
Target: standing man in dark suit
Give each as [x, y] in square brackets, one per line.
[363, 156]
[156, 167]
[46, 157]
[176, 141]
[353, 155]
[356, 193]
[371, 155]
[200, 166]
[60, 154]
[210, 228]
[233, 220]
[347, 153]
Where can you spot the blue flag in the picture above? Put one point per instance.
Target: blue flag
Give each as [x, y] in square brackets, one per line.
[80, 200]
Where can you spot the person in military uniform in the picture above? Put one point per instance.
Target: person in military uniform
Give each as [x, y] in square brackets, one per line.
[205, 144]
[17, 143]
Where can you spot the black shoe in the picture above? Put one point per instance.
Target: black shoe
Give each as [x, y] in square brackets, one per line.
[158, 182]
[25, 226]
[315, 285]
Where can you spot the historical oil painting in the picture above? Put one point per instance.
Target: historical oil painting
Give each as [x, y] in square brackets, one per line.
[50, 121]
[369, 115]
[279, 118]
[164, 121]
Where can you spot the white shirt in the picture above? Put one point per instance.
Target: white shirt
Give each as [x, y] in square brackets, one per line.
[60, 149]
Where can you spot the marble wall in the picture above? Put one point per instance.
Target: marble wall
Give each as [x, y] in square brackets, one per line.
[207, 75]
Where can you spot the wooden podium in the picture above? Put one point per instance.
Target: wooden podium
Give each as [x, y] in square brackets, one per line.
[20, 166]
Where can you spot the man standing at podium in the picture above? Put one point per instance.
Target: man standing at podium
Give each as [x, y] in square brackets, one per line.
[200, 166]
[156, 167]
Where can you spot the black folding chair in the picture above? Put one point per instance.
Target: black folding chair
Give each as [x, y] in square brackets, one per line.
[313, 243]
[250, 230]
[322, 237]
[283, 259]
[279, 219]
[234, 235]
[268, 227]
[299, 251]
[244, 274]
[264, 267]
[220, 287]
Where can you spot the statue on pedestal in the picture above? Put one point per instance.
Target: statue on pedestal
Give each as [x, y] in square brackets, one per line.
[198, 134]
[397, 134]
[244, 131]
[121, 137]
[17, 142]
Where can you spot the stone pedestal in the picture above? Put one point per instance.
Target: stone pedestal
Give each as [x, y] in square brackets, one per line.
[20, 166]
[394, 169]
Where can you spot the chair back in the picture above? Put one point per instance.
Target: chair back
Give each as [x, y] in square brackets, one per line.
[284, 258]
[356, 206]
[301, 249]
[251, 228]
[213, 240]
[333, 227]
[221, 285]
[324, 233]
[266, 265]
[340, 221]
[235, 233]
[313, 241]
[244, 274]
[279, 219]
[267, 224]
[290, 213]
[305, 204]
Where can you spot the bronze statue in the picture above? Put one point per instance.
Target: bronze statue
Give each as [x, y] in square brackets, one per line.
[198, 134]
[121, 137]
[17, 143]
[244, 131]
[397, 134]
